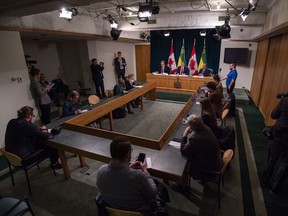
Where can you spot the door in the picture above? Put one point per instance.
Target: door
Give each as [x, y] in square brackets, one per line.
[142, 61]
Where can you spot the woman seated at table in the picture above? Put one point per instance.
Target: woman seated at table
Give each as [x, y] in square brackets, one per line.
[129, 83]
[208, 116]
[72, 105]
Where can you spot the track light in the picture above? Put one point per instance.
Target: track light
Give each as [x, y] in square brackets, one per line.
[202, 33]
[113, 23]
[68, 13]
[166, 33]
[147, 9]
[223, 31]
[244, 14]
[115, 33]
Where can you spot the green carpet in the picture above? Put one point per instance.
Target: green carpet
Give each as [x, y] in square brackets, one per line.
[172, 96]
[276, 204]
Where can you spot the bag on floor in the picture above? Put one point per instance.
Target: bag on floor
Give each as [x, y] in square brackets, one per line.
[119, 113]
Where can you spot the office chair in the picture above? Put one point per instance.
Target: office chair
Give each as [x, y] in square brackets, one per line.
[16, 162]
[10, 206]
[218, 177]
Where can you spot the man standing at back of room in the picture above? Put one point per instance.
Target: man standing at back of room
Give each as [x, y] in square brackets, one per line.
[120, 64]
[231, 78]
[97, 76]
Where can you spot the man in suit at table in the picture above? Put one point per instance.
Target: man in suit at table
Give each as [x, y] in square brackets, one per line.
[205, 71]
[183, 70]
[163, 68]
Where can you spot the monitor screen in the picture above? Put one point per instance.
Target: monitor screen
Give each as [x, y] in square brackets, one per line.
[236, 55]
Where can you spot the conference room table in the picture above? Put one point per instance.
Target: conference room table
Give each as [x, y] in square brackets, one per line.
[167, 163]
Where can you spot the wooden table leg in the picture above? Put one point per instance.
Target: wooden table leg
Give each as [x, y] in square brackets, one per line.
[111, 121]
[64, 164]
[142, 104]
[81, 160]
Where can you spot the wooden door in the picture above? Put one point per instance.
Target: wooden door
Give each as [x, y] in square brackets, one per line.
[142, 61]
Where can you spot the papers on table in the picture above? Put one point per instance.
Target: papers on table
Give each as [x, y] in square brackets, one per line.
[149, 162]
[84, 110]
[174, 144]
[138, 86]
[156, 73]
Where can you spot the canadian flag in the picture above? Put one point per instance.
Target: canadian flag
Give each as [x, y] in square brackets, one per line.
[171, 60]
[193, 61]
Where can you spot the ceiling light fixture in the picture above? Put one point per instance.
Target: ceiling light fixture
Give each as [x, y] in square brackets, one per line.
[202, 33]
[68, 13]
[218, 5]
[166, 33]
[244, 14]
[224, 30]
[112, 21]
[147, 9]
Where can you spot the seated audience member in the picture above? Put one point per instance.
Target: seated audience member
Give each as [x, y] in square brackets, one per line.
[205, 71]
[215, 98]
[219, 86]
[72, 105]
[163, 68]
[26, 140]
[52, 92]
[119, 90]
[183, 69]
[202, 148]
[208, 115]
[129, 83]
[125, 185]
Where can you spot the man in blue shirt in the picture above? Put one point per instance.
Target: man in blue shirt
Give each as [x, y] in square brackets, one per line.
[231, 78]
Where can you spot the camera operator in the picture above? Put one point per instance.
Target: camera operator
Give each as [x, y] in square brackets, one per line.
[97, 76]
[278, 146]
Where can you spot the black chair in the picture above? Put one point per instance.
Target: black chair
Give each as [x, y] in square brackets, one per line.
[11, 207]
[215, 177]
[16, 162]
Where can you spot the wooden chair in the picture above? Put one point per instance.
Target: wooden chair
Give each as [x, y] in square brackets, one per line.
[218, 177]
[16, 162]
[119, 212]
[93, 100]
[11, 206]
[226, 105]
[223, 117]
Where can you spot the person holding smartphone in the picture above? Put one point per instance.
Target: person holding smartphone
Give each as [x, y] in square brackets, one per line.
[201, 148]
[125, 185]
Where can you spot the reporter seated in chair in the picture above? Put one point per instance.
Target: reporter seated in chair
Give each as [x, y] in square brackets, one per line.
[124, 185]
[72, 105]
[26, 140]
[183, 70]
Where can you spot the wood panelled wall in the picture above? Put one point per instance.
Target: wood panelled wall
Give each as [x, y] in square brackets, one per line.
[270, 74]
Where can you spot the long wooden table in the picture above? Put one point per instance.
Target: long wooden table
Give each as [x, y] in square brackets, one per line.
[167, 161]
[189, 84]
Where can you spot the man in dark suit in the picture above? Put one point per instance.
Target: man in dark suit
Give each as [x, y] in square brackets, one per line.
[98, 77]
[120, 64]
[202, 148]
[183, 69]
[163, 68]
[205, 71]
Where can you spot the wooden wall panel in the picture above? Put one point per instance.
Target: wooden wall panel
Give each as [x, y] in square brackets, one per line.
[142, 61]
[274, 75]
[259, 69]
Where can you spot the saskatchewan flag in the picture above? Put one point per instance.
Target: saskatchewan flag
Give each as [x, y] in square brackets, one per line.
[181, 56]
[203, 59]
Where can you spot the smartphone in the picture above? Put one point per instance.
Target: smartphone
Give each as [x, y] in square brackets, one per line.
[141, 157]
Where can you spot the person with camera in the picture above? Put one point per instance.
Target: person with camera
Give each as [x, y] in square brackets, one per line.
[97, 76]
[126, 185]
[26, 140]
[278, 146]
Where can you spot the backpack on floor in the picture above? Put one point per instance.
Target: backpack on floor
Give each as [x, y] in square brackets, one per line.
[119, 113]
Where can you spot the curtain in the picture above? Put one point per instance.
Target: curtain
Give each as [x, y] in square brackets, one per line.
[160, 46]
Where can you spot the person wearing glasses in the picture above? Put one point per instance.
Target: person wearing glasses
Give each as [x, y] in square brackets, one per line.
[72, 105]
[125, 185]
[26, 140]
